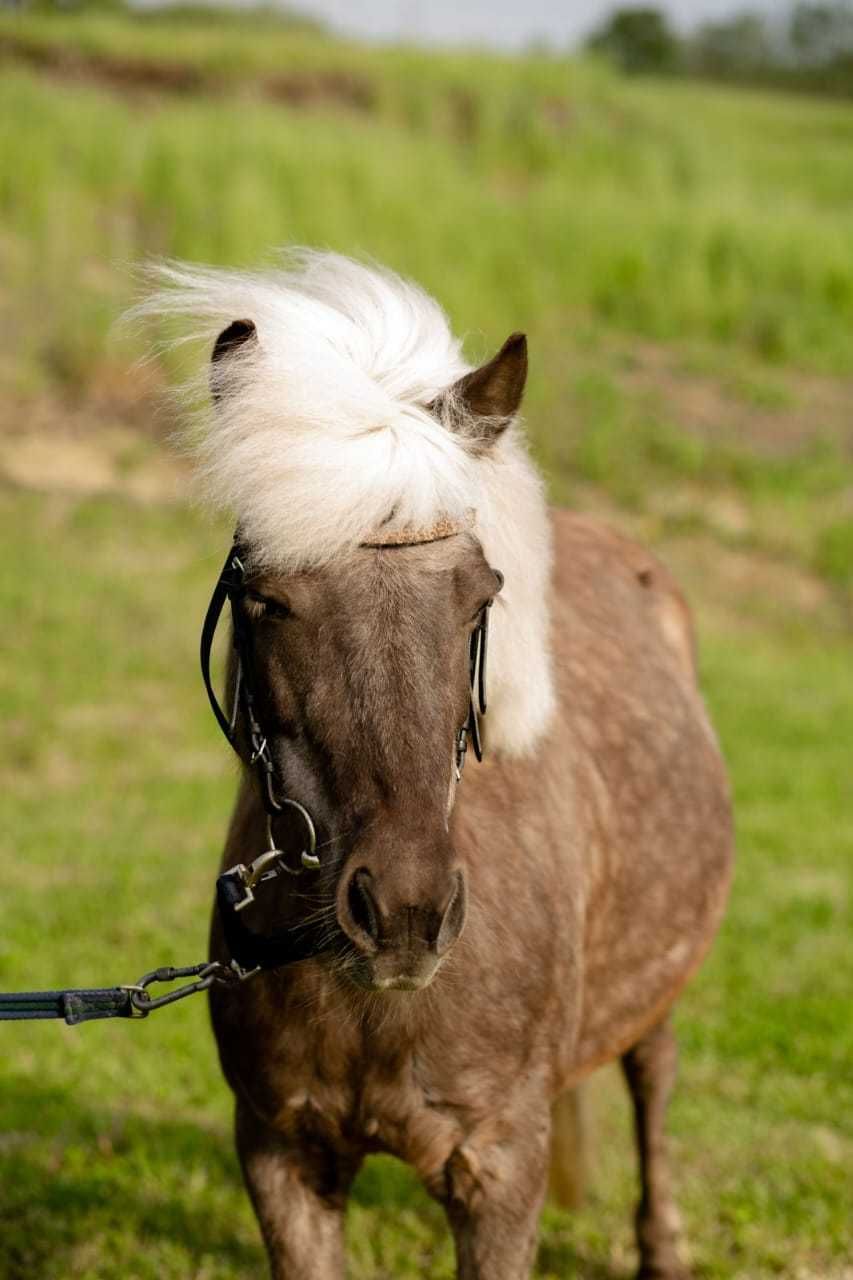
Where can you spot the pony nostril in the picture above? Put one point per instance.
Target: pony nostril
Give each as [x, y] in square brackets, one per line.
[362, 907]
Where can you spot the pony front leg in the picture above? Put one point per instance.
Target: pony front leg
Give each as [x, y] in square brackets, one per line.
[299, 1196]
[496, 1183]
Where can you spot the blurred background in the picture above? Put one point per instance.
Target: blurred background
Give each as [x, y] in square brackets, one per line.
[663, 199]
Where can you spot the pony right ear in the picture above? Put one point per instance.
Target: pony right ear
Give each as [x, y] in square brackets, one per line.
[230, 340]
[481, 405]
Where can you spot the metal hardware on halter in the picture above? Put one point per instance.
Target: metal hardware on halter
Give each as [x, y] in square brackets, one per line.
[308, 857]
[478, 647]
[272, 862]
[461, 750]
[206, 975]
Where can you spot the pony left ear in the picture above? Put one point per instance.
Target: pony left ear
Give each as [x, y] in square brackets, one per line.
[229, 341]
[485, 401]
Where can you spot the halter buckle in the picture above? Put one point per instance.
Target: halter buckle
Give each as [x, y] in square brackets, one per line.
[271, 863]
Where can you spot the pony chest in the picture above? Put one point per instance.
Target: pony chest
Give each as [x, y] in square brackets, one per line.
[374, 1102]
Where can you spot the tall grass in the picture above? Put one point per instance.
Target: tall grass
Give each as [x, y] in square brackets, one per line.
[536, 193]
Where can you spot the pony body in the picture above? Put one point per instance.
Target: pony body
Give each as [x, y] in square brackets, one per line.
[486, 945]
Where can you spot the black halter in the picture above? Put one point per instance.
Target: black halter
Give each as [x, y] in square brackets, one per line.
[231, 586]
[235, 887]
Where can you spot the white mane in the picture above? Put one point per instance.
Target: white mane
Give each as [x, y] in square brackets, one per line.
[321, 434]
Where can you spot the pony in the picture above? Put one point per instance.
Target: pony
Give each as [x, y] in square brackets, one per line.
[481, 941]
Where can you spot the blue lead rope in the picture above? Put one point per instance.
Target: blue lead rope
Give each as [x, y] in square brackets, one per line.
[75, 1005]
[86, 1004]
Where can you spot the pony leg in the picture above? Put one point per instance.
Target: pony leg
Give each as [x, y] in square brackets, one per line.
[299, 1197]
[650, 1072]
[495, 1186]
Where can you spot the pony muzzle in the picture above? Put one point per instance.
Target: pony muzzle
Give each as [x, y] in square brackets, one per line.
[399, 933]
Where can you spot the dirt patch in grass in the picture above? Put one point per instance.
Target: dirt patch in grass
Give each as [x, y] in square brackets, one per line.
[776, 412]
[94, 449]
[134, 76]
[729, 585]
[111, 463]
[735, 589]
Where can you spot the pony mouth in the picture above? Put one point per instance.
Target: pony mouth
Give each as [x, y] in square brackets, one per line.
[402, 982]
[362, 974]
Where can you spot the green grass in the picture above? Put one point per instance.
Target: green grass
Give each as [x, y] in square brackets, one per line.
[535, 191]
[791, 504]
[681, 258]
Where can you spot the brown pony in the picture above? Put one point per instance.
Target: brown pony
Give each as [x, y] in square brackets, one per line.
[483, 945]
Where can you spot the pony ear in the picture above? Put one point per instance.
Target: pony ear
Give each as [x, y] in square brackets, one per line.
[229, 341]
[484, 402]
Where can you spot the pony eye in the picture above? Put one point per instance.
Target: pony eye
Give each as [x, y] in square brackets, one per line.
[265, 607]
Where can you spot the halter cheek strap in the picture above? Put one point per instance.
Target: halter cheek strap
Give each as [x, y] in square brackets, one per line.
[229, 580]
[230, 586]
[235, 887]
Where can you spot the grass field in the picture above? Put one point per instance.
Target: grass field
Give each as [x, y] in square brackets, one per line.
[670, 210]
[681, 258]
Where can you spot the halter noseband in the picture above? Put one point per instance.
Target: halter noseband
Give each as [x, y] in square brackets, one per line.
[235, 887]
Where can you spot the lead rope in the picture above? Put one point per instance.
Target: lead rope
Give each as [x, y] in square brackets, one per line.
[87, 1004]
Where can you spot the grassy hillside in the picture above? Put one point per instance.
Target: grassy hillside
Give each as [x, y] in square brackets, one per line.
[681, 259]
[536, 188]
[534, 193]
